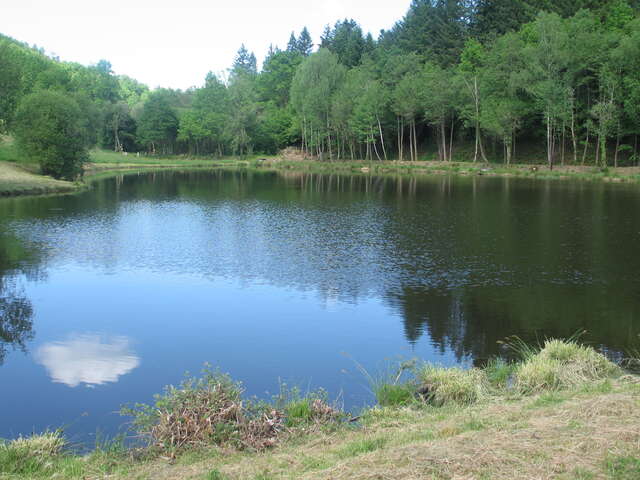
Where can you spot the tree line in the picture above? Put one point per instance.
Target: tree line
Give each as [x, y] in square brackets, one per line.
[479, 79]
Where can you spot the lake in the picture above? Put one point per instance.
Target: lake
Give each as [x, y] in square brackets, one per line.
[108, 295]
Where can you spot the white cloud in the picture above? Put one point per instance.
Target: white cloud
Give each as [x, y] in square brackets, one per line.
[88, 359]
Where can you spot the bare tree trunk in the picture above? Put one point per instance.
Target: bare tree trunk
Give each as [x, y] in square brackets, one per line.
[586, 146]
[411, 142]
[615, 157]
[444, 139]
[384, 150]
[563, 143]
[415, 139]
[451, 139]
[574, 140]
[549, 142]
[375, 149]
[329, 140]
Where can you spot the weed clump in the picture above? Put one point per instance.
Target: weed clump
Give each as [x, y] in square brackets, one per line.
[28, 455]
[203, 411]
[311, 409]
[562, 365]
[441, 386]
[210, 411]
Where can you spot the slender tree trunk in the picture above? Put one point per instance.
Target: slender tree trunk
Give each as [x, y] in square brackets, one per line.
[451, 138]
[411, 142]
[329, 140]
[615, 156]
[384, 150]
[375, 149]
[574, 140]
[415, 139]
[549, 142]
[444, 139]
[563, 143]
[635, 149]
[586, 146]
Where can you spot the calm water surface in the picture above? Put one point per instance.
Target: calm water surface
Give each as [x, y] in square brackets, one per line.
[107, 296]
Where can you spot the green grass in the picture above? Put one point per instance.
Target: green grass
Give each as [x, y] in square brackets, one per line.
[623, 468]
[395, 395]
[215, 475]
[361, 447]
[499, 372]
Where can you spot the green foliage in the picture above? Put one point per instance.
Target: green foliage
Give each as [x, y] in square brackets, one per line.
[158, 125]
[48, 129]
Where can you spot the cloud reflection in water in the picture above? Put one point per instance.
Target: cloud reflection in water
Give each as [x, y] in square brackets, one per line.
[88, 358]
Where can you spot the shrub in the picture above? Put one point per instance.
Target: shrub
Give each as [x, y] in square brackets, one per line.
[440, 386]
[49, 129]
[562, 364]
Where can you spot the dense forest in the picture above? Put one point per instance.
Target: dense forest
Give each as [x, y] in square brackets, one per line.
[479, 80]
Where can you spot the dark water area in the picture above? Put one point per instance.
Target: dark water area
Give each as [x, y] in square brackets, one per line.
[109, 295]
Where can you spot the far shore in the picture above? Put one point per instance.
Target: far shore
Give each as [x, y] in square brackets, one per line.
[23, 179]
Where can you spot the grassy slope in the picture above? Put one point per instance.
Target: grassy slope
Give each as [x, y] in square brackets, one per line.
[17, 180]
[591, 433]
[588, 433]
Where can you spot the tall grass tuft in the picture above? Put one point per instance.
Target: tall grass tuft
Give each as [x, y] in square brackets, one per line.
[499, 372]
[31, 455]
[562, 364]
[388, 386]
[441, 386]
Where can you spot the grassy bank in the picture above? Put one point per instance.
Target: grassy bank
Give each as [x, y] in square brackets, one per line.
[19, 179]
[16, 179]
[561, 412]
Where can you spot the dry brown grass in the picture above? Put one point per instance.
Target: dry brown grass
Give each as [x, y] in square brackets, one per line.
[571, 437]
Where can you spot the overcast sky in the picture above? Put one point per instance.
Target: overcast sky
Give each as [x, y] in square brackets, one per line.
[175, 43]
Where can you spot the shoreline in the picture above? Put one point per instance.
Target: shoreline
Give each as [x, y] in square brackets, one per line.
[21, 180]
[563, 412]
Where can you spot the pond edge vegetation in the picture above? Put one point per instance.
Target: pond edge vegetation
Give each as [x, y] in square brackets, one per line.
[207, 417]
